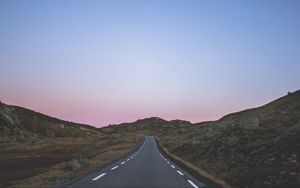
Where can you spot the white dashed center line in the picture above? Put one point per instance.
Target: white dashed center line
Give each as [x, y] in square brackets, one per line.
[103, 174]
[180, 172]
[114, 167]
[192, 183]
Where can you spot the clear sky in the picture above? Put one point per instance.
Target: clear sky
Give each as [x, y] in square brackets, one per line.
[102, 62]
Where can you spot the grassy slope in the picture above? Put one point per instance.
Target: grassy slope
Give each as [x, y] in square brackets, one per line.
[253, 148]
[53, 160]
[39, 151]
[18, 122]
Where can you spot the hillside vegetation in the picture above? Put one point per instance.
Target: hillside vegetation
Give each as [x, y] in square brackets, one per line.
[253, 148]
[40, 151]
[19, 122]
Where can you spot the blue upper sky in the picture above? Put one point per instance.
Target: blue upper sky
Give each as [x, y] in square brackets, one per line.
[103, 62]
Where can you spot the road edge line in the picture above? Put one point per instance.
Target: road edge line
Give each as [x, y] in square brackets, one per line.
[199, 174]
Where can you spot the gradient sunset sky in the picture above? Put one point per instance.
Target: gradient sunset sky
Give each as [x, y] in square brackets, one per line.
[103, 62]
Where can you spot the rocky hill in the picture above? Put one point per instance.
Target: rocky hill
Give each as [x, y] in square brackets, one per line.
[254, 148]
[20, 122]
[40, 151]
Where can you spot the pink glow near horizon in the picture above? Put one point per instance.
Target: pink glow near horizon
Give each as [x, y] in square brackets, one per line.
[103, 114]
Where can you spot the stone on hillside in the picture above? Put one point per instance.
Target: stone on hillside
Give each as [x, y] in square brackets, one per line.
[7, 119]
[74, 164]
[195, 141]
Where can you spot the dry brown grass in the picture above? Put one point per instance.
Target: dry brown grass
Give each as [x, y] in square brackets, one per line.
[43, 163]
[195, 169]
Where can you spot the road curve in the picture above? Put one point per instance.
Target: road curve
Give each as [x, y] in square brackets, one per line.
[145, 168]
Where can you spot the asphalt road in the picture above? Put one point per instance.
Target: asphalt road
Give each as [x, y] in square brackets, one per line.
[145, 168]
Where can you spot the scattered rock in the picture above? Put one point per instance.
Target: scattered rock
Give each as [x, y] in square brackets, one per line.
[74, 164]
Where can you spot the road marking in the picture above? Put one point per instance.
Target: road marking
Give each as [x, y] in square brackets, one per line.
[172, 166]
[103, 174]
[128, 160]
[123, 162]
[131, 157]
[192, 183]
[180, 172]
[168, 162]
[114, 167]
